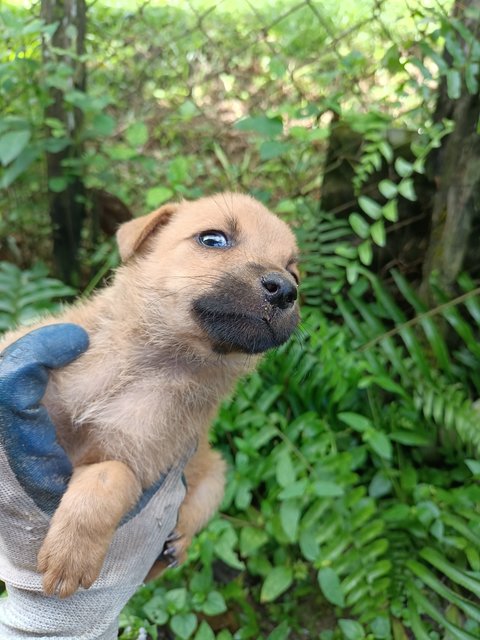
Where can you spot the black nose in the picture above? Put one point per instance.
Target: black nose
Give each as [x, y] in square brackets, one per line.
[280, 292]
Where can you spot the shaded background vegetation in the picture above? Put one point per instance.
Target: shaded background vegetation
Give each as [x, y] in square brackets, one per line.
[352, 508]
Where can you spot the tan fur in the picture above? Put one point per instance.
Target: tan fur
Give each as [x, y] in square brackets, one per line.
[149, 385]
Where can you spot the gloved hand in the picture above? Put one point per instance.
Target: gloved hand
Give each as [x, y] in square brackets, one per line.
[34, 473]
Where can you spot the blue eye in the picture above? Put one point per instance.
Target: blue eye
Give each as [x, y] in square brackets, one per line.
[215, 239]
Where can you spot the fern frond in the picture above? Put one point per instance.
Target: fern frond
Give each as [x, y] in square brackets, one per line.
[24, 295]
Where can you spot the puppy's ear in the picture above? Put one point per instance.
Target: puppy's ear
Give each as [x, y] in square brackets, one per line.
[132, 234]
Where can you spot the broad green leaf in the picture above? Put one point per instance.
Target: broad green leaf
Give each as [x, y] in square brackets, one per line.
[359, 225]
[264, 125]
[309, 544]
[243, 494]
[157, 196]
[251, 539]
[390, 211]
[370, 207]
[381, 628]
[474, 466]
[377, 231]
[103, 124]
[379, 442]
[380, 485]
[411, 438]
[352, 273]
[273, 149]
[183, 624]
[330, 586]
[403, 167]
[454, 84]
[55, 145]
[355, 420]
[387, 188]
[471, 77]
[277, 67]
[224, 549]
[406, 189]
[386, 151]
[58, 184]
[137, 134]
[201, 582]
[282, 632]
[284, 469]
[289, 517]
[120, 152]
[176, 598]
[214, 604]
[19, 165]
[351, 629]
[155, 609]
[295, 490]
[12, 144]
[188, 109]
[204, 632]
[365, 253]
[276, 583]
[324, 488]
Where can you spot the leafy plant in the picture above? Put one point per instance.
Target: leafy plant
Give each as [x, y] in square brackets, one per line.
[24, 295]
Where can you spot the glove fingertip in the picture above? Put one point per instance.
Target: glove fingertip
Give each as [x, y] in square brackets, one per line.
[52, 346]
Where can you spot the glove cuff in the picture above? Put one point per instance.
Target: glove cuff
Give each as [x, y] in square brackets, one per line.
[28, 615]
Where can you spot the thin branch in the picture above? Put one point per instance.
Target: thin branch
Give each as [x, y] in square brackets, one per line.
[421, 316]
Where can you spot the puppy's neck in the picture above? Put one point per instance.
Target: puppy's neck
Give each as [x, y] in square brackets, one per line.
[175, 352]
[185, 360]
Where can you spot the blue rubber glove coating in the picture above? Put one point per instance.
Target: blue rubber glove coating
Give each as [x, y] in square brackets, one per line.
[27, 434]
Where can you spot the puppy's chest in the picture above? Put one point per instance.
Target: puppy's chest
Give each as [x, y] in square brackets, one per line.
[131, 418]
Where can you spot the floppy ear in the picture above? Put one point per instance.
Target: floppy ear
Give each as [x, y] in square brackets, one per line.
[132, 234]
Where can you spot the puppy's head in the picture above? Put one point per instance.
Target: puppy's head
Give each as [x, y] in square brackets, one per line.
[219, 272]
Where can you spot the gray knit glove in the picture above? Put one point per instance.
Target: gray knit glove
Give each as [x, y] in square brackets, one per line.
[34, 473]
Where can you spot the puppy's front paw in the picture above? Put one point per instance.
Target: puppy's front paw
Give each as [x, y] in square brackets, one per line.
[68, 563]
[173, 553]
[175, 550]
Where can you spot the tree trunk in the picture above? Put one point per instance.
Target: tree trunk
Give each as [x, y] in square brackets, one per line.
[67, 206]
[456, 169]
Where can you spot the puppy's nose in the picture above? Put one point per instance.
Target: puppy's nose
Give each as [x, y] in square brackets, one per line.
[280, 292]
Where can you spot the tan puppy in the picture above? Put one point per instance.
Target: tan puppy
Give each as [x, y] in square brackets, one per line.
[202, 284]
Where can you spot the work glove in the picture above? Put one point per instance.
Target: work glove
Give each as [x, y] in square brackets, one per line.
[34, 473]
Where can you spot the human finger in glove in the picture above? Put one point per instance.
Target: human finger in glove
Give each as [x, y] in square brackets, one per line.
[34, 474]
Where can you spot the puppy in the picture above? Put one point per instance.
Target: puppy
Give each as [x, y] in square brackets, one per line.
[203, 289]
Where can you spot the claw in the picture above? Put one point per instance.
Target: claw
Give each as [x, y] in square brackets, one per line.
[173, 536]
[169, 550]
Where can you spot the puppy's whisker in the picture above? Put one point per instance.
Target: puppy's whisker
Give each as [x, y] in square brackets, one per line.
[219, 207]
[229, 209]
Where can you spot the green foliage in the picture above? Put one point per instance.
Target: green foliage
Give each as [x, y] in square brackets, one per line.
[346, 481]
[352, 504]
[26, 294]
